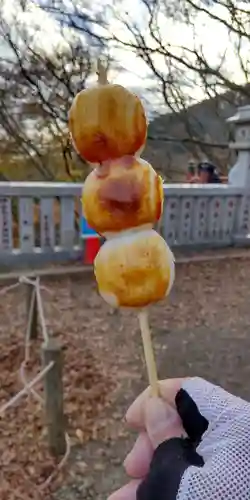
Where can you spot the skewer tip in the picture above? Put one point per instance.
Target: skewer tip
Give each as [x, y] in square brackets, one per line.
[102, 71]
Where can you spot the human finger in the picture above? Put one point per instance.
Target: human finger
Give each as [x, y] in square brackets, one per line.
[138, 461]
[168, 390]
[127, 492]
[162, 422]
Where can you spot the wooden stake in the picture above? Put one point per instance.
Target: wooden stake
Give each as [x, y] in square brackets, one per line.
[148, 352]
[31, 311]
[102, 72]
[53, 389]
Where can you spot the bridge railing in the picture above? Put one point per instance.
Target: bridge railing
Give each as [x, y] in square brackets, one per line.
[205, 215]
[39, 222]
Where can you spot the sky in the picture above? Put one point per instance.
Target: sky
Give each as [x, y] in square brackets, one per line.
[212, 36]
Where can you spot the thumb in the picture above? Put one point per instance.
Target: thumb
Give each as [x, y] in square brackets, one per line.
[162, 422]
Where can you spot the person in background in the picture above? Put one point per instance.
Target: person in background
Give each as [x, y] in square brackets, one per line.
[191, 174]
[199, 168]
[208, 174]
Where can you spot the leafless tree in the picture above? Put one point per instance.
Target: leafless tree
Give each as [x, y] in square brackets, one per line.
[36, 90]
[180, 73]
[184, 70]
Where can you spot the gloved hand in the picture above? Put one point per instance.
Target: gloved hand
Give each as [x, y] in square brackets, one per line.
[194, 444]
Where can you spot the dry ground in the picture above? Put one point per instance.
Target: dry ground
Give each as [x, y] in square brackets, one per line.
[203, 329]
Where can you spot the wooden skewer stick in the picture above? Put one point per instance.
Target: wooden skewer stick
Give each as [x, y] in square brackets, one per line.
[102, 72]
[149, 352]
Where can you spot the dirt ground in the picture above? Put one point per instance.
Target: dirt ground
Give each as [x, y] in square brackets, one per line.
[202, 329]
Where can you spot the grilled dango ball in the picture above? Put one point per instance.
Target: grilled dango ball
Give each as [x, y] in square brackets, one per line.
[122, 194]
[135, 269]
[107, 122]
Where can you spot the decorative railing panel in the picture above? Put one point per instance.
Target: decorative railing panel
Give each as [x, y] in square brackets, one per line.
[26, 224]
[244, 215]
[201, 215]
[6, 242]
[39, 222]
[47, 225]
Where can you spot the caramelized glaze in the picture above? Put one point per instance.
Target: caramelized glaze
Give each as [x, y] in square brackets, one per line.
[130, 194]
[107, 122]
[134, 270]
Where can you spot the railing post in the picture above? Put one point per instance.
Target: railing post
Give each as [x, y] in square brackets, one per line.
[6, 239]
[239, 175]
[53, 389]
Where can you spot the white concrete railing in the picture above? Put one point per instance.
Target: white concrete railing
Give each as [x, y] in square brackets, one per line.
[39, 221]
[205, 215]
